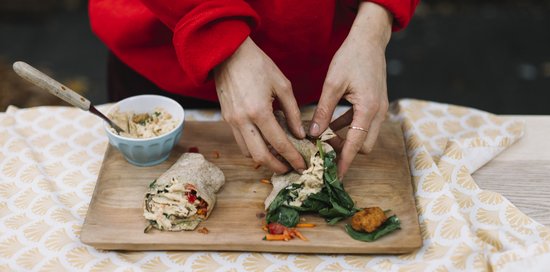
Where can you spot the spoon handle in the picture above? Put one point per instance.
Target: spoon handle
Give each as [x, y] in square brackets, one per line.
[47, 83]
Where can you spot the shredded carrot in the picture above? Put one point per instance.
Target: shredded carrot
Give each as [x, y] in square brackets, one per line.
[256, 166]
[216, 154]
[287, 235]
[275, 237]
[265, 181]
[299, 234]
[203, 230]
[305, 225]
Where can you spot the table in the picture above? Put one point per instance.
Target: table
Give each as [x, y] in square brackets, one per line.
[50, 157]
[522, 172]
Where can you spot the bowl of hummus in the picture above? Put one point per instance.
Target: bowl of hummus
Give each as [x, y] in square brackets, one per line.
[152, 126]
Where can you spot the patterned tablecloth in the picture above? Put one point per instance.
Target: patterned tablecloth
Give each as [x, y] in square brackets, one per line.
[50, 158]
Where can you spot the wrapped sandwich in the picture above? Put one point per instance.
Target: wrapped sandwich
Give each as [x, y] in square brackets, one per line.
[311, 180]
[317, 189]
[184, 195]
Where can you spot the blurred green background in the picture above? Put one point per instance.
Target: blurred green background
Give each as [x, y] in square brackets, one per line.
[492, 55]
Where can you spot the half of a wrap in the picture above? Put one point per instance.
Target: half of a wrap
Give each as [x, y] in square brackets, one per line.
[184, 195]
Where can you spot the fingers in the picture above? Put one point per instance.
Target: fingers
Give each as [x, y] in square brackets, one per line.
[342, 121]
[275, 135]
[374, 130]
[259, 151]
[362, 117]
[240, 142]
[252, 143]
[345, 120]
[246, 84]
[330, 96]
[290, 108]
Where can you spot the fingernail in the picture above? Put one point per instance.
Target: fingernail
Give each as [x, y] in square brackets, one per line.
[314, 129]
[302, 132]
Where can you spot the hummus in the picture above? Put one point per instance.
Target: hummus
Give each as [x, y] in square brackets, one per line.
[143, 125]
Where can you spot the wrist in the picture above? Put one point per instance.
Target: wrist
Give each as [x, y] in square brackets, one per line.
[373, 24]
[241, 50]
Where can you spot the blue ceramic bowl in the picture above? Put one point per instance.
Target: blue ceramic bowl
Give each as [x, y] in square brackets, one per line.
[150, 151]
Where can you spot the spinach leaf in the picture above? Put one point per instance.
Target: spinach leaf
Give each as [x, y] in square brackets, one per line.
[313, 203]
[333, 184]
[334, 220]
[279, 200]
[335, 211]
[320, 147]
[284, 216]
[279, 212]
[282, 197]
[391, 224]
[340, 202]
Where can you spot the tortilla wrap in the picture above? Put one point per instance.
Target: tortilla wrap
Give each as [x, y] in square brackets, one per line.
[174, 201]
[313, 175]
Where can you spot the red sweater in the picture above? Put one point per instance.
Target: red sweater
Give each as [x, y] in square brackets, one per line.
[176, 44]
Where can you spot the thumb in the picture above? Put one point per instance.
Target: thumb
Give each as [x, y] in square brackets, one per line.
[325, 108]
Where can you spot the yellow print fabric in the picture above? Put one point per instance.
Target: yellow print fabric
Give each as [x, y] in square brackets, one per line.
[50, 158]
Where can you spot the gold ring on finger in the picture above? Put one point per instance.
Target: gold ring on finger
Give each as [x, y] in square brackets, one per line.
[359, 128]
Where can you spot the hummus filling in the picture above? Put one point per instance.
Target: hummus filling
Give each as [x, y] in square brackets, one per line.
[143, 125]
[174, 204]
[311, 179]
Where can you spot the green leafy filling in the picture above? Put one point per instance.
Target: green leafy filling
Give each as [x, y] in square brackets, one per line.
[332, 202]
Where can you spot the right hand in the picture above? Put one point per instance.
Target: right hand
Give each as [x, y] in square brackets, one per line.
[247, 83]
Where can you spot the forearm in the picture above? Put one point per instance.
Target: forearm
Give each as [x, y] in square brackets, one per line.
[372, 25]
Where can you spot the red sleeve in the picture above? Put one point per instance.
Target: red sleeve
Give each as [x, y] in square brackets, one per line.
[206, 32]
[402, 11]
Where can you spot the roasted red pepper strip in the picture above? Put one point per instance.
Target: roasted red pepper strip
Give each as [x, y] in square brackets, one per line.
[276, 228]
[191, 197]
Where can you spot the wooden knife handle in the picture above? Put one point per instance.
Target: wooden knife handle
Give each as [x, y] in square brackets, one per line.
[51, 85]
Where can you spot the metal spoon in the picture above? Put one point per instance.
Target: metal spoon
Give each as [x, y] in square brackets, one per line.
[51, 85]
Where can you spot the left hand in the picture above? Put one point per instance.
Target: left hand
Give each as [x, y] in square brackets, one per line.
[358, 74]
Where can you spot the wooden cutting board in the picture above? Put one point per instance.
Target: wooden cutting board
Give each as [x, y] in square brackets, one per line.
[115, 215]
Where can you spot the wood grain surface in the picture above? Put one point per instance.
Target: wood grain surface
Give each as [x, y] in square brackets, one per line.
[115, 215]
[522, 172]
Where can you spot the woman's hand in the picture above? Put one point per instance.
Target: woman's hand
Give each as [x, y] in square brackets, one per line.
[358, 74]
[247, 83]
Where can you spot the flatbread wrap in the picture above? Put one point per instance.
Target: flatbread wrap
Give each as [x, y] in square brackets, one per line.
[311, 179]
[319, 190]
[184, 195]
